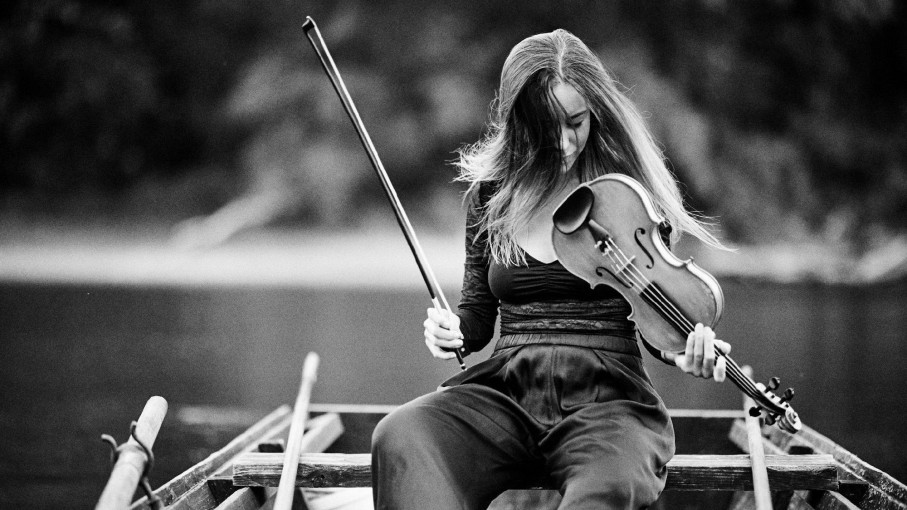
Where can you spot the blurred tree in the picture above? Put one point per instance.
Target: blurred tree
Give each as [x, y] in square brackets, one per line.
[786, 119]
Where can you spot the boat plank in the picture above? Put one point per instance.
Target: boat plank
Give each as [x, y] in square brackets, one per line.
[883, 492]
[243, 499]
[826, 500]
[195, 476]
[685, 472]
[215, 487]
[781, 500]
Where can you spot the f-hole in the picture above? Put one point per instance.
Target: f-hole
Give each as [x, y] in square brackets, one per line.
[641, 232]
[600, 271]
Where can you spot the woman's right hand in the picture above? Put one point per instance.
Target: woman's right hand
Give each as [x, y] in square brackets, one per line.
[442, 331]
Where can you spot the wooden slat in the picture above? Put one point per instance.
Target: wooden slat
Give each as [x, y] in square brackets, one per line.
[826, 500]
[685, 472]
[739, 436]
[762, 496]
[339, 499]
[883, 492]
[193, 479]
[323, 431]
[781, 500]
[247, 498]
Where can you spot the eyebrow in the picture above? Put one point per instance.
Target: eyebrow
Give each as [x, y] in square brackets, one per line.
[579, 114]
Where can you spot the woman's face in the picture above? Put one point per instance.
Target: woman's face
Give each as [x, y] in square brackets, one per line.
[574, 123]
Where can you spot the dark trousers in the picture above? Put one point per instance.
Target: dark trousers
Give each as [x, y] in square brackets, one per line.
[460, 447]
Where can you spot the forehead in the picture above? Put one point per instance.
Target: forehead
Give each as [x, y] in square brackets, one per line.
[569, 98]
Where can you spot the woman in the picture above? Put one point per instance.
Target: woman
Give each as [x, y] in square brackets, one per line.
[565, 393]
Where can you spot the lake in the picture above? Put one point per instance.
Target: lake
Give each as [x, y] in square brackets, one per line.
[80, 359]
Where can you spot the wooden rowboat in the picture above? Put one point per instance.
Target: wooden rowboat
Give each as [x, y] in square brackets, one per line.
[711, 469]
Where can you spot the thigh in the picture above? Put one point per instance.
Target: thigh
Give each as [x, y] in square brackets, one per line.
[454, 448]
[610, 455]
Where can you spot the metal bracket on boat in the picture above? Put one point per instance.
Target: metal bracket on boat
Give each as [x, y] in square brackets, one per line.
[154, 502]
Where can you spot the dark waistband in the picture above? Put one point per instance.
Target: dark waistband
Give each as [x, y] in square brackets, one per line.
[606, 317]
[616, 344]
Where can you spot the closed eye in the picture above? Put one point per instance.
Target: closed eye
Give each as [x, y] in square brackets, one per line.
[576, 120]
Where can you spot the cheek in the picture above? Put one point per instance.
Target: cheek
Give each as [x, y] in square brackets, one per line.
[582, 135]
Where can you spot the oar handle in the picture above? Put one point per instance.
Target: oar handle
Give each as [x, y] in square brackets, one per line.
[761, 489]
[131, 457]
[287, 486]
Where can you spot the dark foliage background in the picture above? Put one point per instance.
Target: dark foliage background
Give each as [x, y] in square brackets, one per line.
[785, 119]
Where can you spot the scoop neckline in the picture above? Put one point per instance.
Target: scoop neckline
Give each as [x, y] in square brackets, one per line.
[529, 255]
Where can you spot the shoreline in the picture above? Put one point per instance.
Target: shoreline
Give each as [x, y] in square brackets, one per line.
[374, 257]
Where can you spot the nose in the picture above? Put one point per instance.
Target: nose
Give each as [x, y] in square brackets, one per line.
[567, 144]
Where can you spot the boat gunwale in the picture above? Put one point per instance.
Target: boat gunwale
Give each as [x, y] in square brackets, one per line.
[807, 438]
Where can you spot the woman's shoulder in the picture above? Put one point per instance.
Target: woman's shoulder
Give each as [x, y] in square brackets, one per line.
[478, 195]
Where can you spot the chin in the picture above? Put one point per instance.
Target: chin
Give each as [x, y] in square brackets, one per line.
[567, 167]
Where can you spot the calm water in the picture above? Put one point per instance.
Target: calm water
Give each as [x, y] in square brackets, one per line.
[78, 361]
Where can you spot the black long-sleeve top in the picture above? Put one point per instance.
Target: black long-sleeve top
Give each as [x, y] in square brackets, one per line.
[538, 291]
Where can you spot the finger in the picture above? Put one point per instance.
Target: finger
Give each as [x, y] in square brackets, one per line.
[436, 351]
[723, 346]
[708, 352]
[679, 360]
[687, 364]
[698, 350]
[445, 320]
[439, 332]
[443, 338]
[720, 370]
[437, 316]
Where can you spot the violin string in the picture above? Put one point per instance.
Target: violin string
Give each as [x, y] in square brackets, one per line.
[661, 303]
[665, 305]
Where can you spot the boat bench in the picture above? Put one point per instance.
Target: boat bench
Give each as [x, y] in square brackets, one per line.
[685, 472]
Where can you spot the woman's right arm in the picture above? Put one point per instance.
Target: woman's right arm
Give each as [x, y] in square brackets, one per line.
[473, 324]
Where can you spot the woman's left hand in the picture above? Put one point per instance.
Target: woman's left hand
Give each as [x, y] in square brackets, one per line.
[699, 358]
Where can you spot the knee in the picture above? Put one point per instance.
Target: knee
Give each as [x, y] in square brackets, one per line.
[396, 431]
[614, 488]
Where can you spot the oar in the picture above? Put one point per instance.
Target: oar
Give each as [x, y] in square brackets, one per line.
[287, 486]
[757, 455]
[131, 458]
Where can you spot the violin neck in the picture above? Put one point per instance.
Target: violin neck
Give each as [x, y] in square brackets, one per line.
[674, 316]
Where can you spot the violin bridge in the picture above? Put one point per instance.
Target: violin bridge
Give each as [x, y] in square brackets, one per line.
[622, 267]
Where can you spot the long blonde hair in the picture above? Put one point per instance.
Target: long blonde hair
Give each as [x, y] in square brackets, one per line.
[519, 158]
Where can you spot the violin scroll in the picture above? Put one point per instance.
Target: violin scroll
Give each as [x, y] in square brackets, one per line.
[779, 410]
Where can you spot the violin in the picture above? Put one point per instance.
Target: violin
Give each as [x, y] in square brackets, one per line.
[607, 232]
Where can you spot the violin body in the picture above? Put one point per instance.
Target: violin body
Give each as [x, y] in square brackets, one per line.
[644, 270]
[607, 233]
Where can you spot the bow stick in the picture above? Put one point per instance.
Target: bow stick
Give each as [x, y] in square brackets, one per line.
[434, 289]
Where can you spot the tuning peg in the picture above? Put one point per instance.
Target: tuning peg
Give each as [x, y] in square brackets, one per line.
[755, 411]
[770, 419]
[788, 395]
[773, 383]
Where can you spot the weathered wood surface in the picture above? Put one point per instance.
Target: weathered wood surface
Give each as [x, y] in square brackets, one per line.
[883, 491]
[247, 498]
[287, 487]
[762, 496]
[132, 459]
[322, 431]
[862, 484]
[191, 483]
[685, 472]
